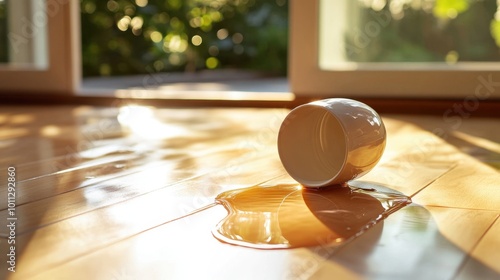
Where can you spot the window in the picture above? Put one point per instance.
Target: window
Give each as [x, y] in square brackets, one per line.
[349, 48]
[39, 47]
[325, 56]
[185, 47]
[29, 50]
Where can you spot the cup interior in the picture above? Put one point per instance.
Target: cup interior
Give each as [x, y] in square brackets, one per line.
[312, 145]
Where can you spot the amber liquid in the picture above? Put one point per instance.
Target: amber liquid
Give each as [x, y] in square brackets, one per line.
[287, 216]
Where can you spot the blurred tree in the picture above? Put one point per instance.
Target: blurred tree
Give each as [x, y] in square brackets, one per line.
[139, 36]
[429, 31]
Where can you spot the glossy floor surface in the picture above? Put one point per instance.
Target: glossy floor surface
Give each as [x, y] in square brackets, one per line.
[107, 193]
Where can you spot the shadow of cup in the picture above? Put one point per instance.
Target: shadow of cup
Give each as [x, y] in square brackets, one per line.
[327, 216]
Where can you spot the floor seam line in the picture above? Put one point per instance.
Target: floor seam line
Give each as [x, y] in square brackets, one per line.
[469, 256]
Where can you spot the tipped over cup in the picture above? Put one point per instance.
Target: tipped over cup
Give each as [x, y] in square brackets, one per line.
[330, 142]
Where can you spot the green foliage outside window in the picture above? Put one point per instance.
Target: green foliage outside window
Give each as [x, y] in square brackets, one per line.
[140, 36]
[425, 31]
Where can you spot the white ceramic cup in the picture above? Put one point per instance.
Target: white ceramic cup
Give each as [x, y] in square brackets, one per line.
[331, 141]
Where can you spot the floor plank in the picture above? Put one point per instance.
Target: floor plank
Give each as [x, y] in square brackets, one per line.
[471, 185]
[414, 243]
[485, 254]
[103, 193]
[62, 241]
[184, 243]
[378, 254]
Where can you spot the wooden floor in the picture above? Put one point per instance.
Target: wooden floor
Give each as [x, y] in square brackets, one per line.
[105, 193]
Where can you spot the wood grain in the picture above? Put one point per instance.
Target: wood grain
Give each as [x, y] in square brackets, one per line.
[100, 189]
[414, 243]
[484, 254]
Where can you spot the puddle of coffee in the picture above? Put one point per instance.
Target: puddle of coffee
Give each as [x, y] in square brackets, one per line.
[288, 216]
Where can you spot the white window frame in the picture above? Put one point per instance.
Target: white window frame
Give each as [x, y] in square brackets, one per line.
[63, 74]
[463, 80]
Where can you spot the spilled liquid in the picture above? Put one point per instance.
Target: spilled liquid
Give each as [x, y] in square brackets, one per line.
[287, 216]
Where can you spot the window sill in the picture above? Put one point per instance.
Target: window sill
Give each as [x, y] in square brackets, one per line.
[225, 89]
[227, 85]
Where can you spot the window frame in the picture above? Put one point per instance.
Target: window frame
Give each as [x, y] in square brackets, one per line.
[308, 79]
[63, 74]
